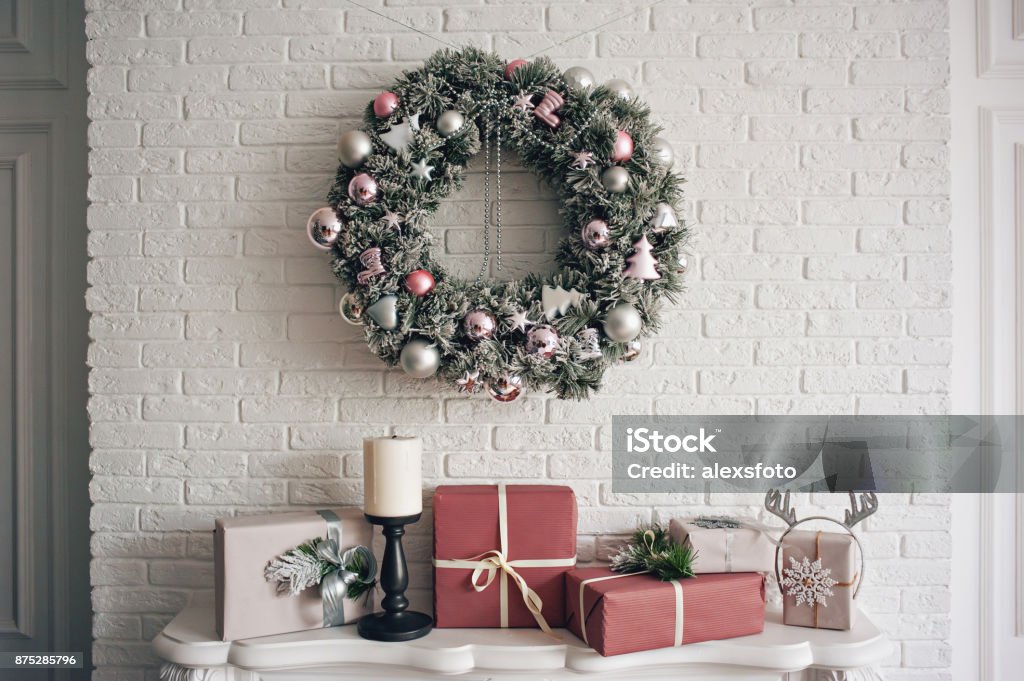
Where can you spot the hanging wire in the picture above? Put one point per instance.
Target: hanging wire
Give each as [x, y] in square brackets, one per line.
[550, 47]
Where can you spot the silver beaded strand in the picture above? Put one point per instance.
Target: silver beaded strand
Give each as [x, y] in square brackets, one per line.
[487, 200]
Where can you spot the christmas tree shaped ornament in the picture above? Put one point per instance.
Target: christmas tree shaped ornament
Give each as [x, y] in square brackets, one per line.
[622, 148]
[545, 111]
[354, 147]
[557, 301]
[596, 235]
[578, 78]
[542, 340]
[506, 388]
[351, 309]
[664, 218]
[642, 265]
[323, 228]
[400, 136]
[370, 259]
[385, 104]
[384, 312]
[363, 190]
[615, 179]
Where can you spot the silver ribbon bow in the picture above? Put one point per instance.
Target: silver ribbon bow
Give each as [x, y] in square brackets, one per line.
[334, 586]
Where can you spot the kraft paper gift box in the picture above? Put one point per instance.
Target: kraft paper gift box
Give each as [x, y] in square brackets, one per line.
[837, 552]
[501, 553]
[247, 604]
[744, 548]
[616, 613]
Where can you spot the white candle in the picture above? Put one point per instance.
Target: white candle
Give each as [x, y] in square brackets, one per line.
[392, 476]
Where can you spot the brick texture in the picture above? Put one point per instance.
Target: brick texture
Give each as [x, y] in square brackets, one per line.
[813, 135]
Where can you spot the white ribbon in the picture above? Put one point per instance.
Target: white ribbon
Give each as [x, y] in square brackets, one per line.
[495, 563]
[677, 587]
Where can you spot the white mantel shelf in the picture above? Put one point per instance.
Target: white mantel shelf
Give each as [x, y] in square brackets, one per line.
[191, 647]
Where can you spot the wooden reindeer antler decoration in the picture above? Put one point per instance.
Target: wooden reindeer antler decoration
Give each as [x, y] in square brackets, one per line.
[868, 505]
[777, 503]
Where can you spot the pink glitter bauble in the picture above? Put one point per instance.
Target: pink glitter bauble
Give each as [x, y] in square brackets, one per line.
[542, 340]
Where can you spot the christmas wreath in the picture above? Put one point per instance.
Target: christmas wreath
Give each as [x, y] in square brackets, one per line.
[594, 144]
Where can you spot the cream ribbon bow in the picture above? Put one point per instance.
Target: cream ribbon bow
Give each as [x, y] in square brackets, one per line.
[495, 563]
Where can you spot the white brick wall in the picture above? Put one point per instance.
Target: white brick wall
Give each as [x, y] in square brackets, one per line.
[814, 138]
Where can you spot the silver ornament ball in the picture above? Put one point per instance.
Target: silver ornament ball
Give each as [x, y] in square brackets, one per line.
[615, 179]
[354, 147]
[620, 87]
[542, 340]
[420, 359]
[449, 123]
[662, 152]
[578, 77]
[633, 349]
[323, 228]
[623, 323]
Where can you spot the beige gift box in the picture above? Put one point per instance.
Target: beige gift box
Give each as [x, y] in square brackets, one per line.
[722, 549]
[838, 554]
[247, 604]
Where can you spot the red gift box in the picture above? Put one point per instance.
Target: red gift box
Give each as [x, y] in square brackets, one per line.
[500, 555]
[627, 613]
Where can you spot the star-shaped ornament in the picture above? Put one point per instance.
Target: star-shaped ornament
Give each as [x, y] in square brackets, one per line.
[421, 170]
[392, 219]
[468, 382]
[582, 159]
[517, 321]
[400, 136]
[524, 102]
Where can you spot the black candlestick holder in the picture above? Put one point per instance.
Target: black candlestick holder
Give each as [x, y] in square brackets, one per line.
[397, 622]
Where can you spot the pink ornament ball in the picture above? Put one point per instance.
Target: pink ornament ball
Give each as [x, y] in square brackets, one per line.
[622, 149]
[542, 340]
[385, 104]
[419, 283]
[511, 67]
[362, 189]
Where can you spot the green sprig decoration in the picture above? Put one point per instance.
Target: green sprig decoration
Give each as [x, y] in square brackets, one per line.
[651, 549]
[471, 81]
[303, 567]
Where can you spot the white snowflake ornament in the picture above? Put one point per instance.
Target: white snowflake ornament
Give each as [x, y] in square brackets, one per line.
[810, 583]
